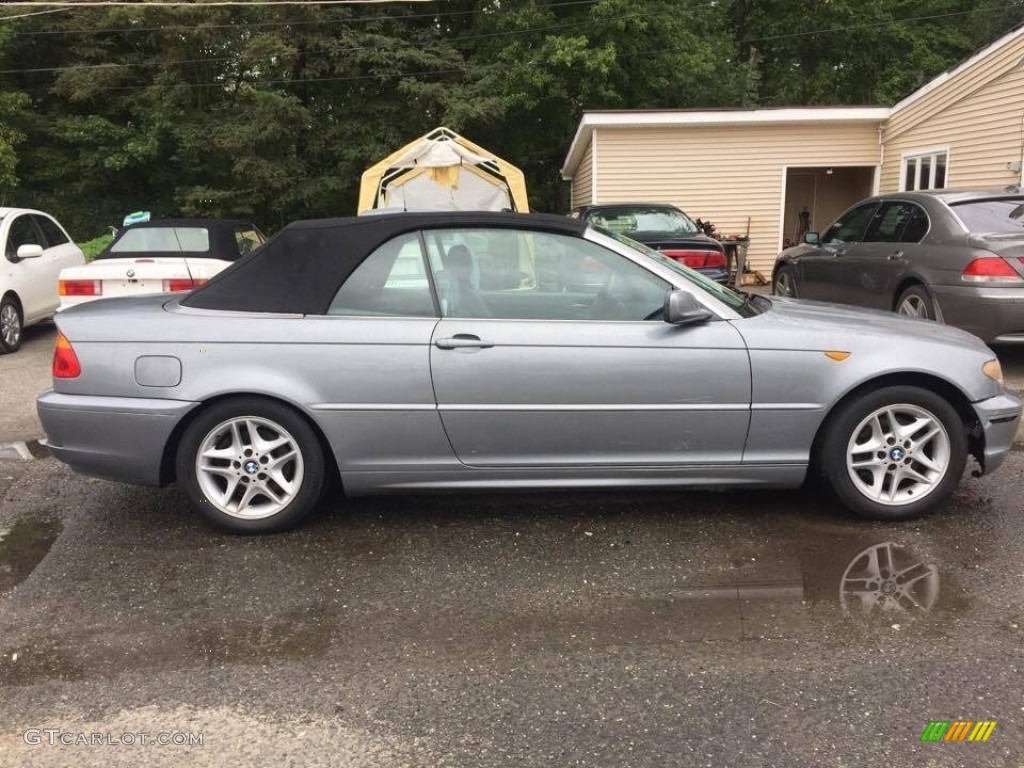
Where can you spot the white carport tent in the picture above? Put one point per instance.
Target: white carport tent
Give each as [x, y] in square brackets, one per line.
[443, 171]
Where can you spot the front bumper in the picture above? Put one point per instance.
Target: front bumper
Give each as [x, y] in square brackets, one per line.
[996, 314]
[116, 438]
[999, 418]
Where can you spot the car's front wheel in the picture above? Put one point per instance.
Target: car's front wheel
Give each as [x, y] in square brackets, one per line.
[894, 453]
[10, 325]
[784, 283]
[251, 465]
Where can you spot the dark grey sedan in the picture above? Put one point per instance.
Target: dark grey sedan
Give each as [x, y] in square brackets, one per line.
[955, 257]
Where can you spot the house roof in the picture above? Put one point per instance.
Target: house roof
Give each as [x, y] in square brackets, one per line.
[675, 118]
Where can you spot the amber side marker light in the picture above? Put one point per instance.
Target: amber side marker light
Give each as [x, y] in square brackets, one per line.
[994, 371]
[836, 355]
[65, 361]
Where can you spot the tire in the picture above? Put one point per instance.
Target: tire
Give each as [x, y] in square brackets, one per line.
[863, 423]
[784, 283]
[11, 326]
[273, 487]
[917, 301]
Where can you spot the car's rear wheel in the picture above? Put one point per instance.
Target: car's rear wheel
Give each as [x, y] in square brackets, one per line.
[894, 453]
[251, 465]
[916, 301]
[10, 325]
[784, 283]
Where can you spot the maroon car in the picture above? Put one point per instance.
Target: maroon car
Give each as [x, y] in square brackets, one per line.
[664, 228]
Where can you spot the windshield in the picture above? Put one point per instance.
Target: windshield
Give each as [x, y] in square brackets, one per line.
[727, 296]
[633, 218]
[1003, 215]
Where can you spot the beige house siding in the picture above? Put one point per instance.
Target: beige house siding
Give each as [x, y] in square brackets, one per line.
[978, 115]
[725, 173]
[583, 179]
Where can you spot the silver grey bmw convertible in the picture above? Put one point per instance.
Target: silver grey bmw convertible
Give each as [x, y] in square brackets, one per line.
[487, 351]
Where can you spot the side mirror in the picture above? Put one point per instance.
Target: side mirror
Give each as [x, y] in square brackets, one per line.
[29, 252]
[812, 238]
[681, 308]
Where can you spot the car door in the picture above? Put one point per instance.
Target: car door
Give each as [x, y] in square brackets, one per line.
[821, 275]
[375, 400]
[549, 370]
[869, 271]
[32, 279]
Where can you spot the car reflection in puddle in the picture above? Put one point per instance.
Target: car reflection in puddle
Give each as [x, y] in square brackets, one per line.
[888, 577]
[817, 584]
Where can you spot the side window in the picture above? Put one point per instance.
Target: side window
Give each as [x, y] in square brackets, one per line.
[917, 226]
[850, 228]
[889, 222]
[247, 238]
[23, 231]
[391, 282]
[514, 274]
[54, 235]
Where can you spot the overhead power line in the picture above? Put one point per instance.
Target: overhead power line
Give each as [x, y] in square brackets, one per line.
[298, 22]
[190, 3]
[311, 54]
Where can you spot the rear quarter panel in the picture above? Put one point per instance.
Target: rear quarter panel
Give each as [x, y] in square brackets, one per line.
[364, 382]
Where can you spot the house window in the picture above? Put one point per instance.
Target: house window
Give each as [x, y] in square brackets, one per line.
[926, 170]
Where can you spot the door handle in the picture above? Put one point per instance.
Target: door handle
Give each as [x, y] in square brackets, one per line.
[463, 341]
[895, 255]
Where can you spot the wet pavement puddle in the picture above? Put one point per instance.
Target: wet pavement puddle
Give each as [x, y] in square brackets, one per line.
[23, 546]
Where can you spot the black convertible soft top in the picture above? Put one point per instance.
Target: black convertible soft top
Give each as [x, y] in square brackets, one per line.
[299, 270]
[221, 235]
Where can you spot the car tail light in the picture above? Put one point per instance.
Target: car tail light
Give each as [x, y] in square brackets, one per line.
[80, 287]
[715, 259]
[178, 284]
[990, 269]
[695, 259]
[65, 361]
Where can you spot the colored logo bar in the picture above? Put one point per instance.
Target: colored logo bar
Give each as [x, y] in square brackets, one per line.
[958, 730]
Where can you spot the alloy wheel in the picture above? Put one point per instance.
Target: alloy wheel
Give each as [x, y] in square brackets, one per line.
[249, 467]
[784, 285]
[914, 306]
[898, 454]
[10, 325]
[888, 577]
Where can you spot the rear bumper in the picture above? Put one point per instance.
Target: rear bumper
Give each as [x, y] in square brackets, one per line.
[999, 417]
[717, 274]
[994, 314]
[116, 438]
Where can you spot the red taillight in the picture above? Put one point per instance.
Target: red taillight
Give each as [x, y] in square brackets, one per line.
[65, 361]
[990, 269]
[715, 259]
[80, 287]
[696, 259]
[182, 284]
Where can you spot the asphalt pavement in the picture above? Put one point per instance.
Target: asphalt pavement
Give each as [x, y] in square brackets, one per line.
[611, 629]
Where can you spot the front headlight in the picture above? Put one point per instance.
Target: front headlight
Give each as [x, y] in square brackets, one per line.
[993, 370]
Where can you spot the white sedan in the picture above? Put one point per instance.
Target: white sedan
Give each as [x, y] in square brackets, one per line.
[162, 256]
[36, 250]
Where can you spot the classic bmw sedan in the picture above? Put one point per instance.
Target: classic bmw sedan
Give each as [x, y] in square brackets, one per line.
[409, 352]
